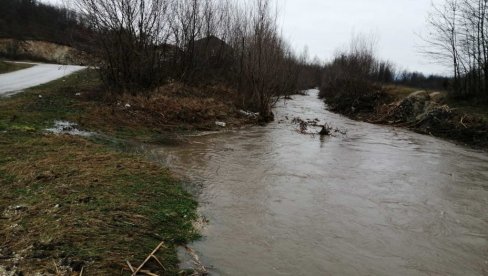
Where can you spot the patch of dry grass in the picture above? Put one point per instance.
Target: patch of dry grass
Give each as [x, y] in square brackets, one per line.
[400, 91]
[171, 107]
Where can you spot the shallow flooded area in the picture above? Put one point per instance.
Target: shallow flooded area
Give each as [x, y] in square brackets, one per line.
[377, 201]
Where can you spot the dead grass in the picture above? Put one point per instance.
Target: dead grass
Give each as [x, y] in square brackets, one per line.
[401, 91]
[171, 107]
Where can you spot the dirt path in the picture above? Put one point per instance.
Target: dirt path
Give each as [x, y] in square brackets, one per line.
[15, 82]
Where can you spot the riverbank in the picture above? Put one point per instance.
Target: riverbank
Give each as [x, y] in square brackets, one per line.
[331, 199]
[79, 203]
[426, 112]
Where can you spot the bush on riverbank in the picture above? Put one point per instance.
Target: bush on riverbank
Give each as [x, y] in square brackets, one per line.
[206, 42]
[358, 85]
[351, 83]
[171, 107]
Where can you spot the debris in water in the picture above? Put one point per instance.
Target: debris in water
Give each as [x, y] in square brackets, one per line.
[191, 261]
[221, 124]
[65, 127]
[326, 129]
[249, 114]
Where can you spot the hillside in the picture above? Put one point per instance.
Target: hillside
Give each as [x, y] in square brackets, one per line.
[33, 20]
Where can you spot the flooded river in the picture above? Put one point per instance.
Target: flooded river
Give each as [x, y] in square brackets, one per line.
[377, 201]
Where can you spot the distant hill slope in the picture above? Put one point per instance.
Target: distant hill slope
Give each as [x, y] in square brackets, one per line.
[42, 51]
[32, 20]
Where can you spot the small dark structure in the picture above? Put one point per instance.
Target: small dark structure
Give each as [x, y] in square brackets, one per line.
[213, 58]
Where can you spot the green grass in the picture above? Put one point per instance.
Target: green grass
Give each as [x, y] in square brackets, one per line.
[83, 201]
[7, 67]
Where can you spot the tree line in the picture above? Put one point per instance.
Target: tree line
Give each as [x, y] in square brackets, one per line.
[139, 45]
[142, 44]
[459, 36]
[33, 20]
[356, 71]
[357, 74]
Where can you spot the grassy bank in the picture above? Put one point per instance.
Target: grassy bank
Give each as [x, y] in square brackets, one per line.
[69, 203]
[153, 117]
[7, 67]
[426, 112]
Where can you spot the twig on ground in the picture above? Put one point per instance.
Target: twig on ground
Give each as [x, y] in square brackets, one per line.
[134, 273]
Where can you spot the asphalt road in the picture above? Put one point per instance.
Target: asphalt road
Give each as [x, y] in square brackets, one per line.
[15, 82]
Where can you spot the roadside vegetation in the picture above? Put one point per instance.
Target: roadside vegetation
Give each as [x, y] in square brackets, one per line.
[7, 67]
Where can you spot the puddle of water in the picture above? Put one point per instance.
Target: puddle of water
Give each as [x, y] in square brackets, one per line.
[378, 201]
[64, 127]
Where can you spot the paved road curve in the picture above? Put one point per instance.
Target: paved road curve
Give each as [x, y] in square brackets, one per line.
[15, 82]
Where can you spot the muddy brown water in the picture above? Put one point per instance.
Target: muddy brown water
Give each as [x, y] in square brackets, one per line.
[378, 201]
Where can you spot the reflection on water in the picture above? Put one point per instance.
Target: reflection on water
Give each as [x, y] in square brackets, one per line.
[379, 201]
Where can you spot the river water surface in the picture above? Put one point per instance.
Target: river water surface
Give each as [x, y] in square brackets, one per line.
[377, 201]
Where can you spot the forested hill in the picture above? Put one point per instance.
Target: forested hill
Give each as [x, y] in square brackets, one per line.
[31, 19]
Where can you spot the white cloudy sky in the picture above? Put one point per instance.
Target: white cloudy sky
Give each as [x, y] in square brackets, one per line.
[327, 25]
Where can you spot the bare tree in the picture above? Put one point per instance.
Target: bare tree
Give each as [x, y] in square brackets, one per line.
[267, 67]
[459, 36]
[127, 39]
[212, 40]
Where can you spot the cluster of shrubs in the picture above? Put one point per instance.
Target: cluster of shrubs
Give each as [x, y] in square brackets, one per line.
[351, 82]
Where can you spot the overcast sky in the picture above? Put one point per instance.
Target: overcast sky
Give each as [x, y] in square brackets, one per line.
[325, 26]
